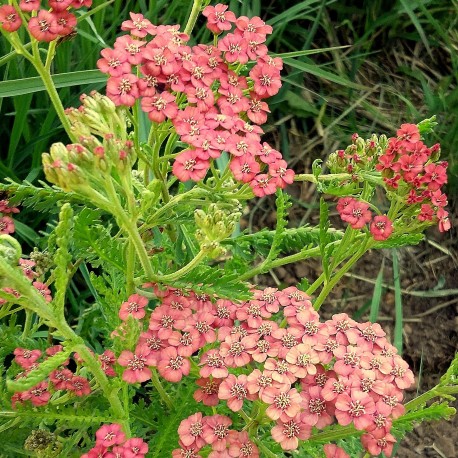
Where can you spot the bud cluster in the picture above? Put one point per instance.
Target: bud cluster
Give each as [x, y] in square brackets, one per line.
[43, 23]
[203, 93]
[410, 172]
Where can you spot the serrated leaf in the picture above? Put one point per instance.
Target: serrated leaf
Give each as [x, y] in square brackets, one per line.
[400, 240]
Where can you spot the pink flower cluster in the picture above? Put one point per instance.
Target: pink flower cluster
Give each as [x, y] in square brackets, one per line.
[59, 379]
[6, 222]
[197, 431]
[202, 91]
[43, 24]
[111, 442]
[409, 161]
[307, 373]
[357, 214]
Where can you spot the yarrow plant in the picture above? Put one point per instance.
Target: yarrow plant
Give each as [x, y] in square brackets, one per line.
[176, 351]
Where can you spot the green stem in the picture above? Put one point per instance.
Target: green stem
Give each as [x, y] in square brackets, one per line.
[27, 324]
[339, 274]
[196, 7]
[262, 447]
[264, 267]
[160, 389]
[437, 391]
[185, 269]
[130, 268]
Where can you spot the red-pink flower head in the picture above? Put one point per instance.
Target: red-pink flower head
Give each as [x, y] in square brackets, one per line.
[109, 435]
[134, 306]
[381, 227]
[9, 18]
[43, 27]
[29, 5]
[218, 18]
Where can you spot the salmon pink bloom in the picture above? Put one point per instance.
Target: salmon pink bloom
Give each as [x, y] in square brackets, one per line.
[284, 403]
[65, 23]
[216, 431]
[113, 62]
[138, 26]
[317, 411]
[218, 18]
[401, 374]
[234, 48]
[107, 360]
[234, 390]
[137, 370]
[357, 408]
[81, 3]
[356, 213]
[435, 176]
[186, 452]
[26, 358]
[235, 350]
[332, 451]
[191, 430]
[241, 446]
[135, 448]
[6, 225]
[43, 27]
[172, 366]
[60, 378]
[29, 5]
[378, 441]
[303, 360]
[266, 80]
[38, 395]
[281, 173]
[9, 18]
[288, 433]
[123, 90]
[134, 306]
[213, 364]
[444, 221]
[207, 393]
[79, 386]
[263, 185]
[189, 166]
[381, 227]
[43, 290]
[59, 5]
[408, 132]
[109, 435]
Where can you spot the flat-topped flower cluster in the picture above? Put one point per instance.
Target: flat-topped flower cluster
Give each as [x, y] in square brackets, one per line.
[206, 92]
[306, 373]
[43, 23]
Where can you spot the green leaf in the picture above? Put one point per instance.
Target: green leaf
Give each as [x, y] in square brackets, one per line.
[377, 295]
[62, 258]
[14, 88]
[400, 240]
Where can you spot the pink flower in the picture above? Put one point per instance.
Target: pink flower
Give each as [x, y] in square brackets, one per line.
[81, 3]
[332, 451]
[79, 386]
[6, 225]
[172, 366]
[29, 5]
[213, 364]
[43, 290]
[284, 403]
[234, 48]
[263, 185]
[138, 26]
[216, 430]
[26, 358]
[38, 395]
[241, 446]
[356, 213]
[378, 441]
[113, 62]
[207, 393]
[9, 18]
[61, 378]
[435, 176]
[135, 448]
[444, 221]
[109, 435]
[266, 80]
[381, 227]
[130, 49]
[357, 408]
[408, 132]
[317, 411]
[43, 27]
[235, 351]
[107, 360]
[59, 5]
[191, 430]
[189, 166]
[160, 106]
[65, 23]
[234, 390]
[303, 360]
[288, 433]
[137, 370]
[134, 306]
[123, 90]
[218, 18]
